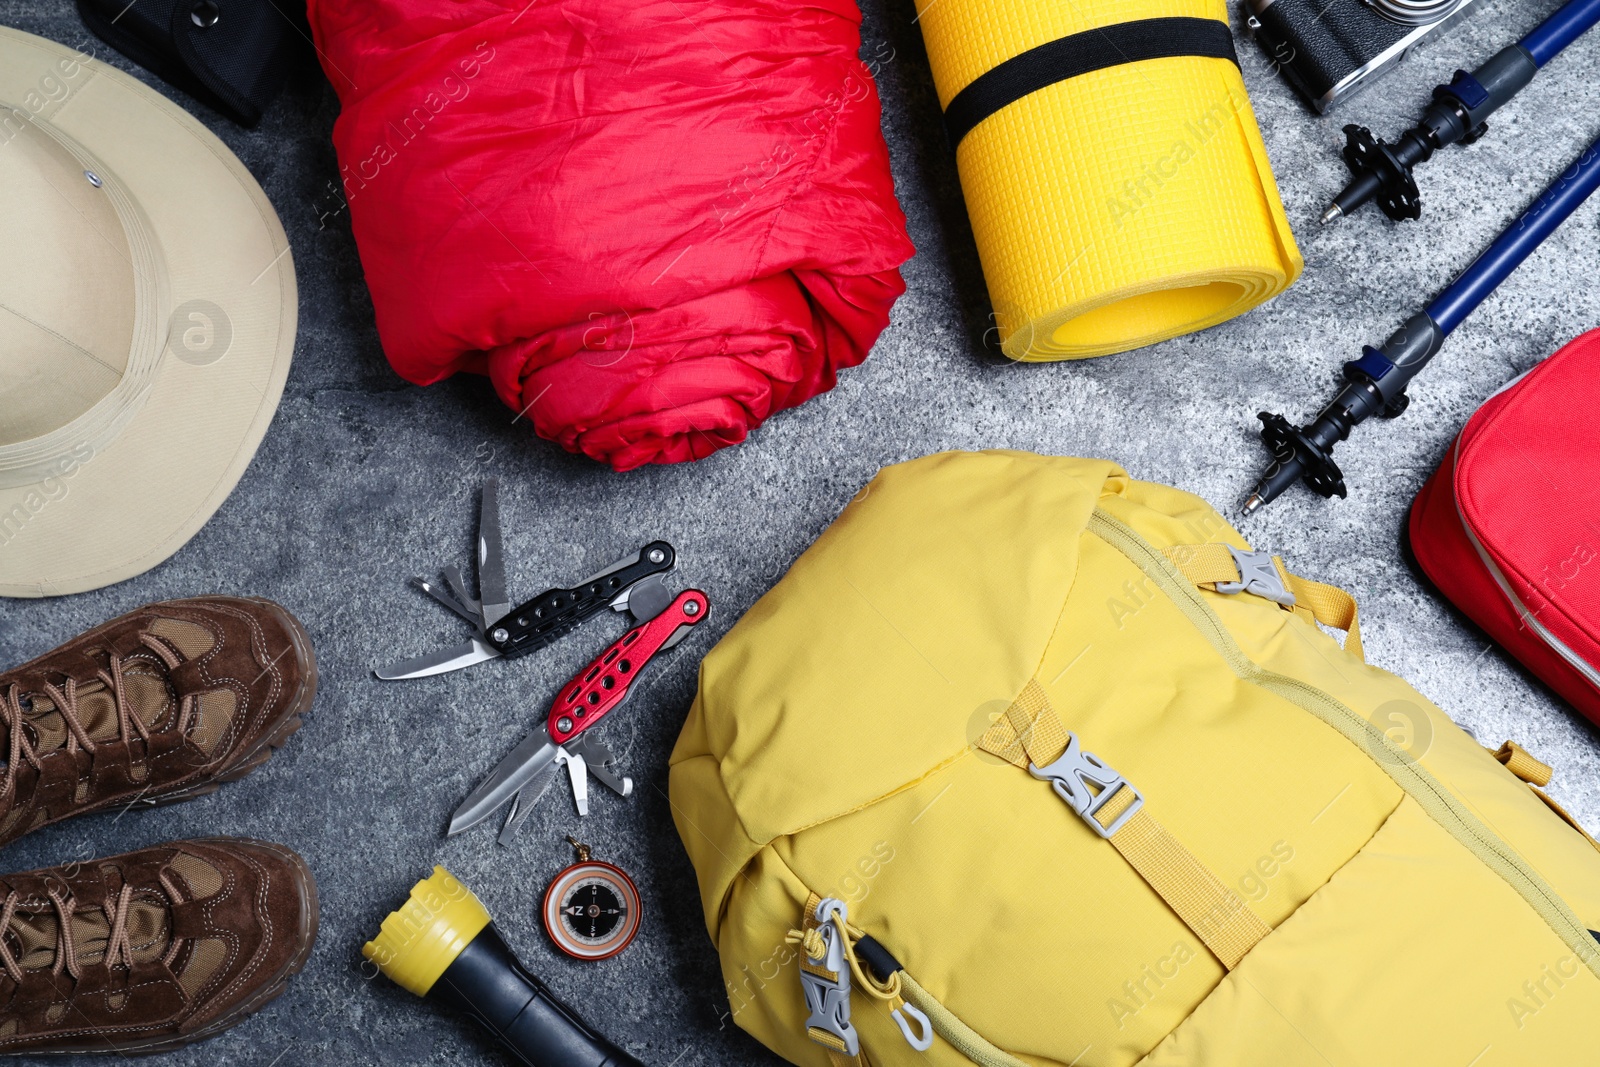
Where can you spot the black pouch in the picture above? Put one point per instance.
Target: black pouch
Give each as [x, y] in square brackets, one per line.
[230, 54]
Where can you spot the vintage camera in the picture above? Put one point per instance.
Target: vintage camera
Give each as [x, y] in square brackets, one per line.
[1328, 49]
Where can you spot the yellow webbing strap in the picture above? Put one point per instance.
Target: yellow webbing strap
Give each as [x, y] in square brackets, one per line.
[1207, 565]
[1519, 762]
[1030, 731]
[1029, 725]
[1204, 564]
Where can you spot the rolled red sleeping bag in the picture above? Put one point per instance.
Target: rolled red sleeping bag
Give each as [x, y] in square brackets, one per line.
[1508, 527]
[652, 224]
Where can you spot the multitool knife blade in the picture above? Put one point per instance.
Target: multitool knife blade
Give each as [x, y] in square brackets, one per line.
[458, 589]
[448, 598]
[492, 598]
[523, 803]
[531, 764]
[444, 661]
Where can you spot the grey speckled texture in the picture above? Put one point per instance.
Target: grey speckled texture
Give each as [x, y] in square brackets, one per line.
[364, 480]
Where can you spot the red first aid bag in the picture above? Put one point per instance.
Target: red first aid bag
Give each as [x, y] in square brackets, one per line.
[1508, 527]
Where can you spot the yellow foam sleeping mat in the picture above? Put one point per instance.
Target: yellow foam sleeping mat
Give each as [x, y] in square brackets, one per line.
[1118, 188]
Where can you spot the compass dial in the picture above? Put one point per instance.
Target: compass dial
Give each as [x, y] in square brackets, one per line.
[591, 910]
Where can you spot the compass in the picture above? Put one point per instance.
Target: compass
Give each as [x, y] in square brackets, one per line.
[591, 910]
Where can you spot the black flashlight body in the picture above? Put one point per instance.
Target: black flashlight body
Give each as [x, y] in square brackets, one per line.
[491, 985]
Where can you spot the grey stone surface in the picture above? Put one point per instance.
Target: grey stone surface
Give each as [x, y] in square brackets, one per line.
[365, 480]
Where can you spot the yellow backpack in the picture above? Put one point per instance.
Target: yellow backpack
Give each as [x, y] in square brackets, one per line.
[1027, 762]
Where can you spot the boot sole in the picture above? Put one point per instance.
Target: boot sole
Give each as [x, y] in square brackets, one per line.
[310, 923]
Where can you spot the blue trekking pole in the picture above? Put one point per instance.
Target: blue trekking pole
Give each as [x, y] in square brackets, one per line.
[1382, 171]
[1376, 383]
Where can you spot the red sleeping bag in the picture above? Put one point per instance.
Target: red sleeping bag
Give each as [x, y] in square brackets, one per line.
[652, 224]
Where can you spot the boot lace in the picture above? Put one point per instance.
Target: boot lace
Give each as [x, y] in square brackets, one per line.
[65, 699]
[119, 946]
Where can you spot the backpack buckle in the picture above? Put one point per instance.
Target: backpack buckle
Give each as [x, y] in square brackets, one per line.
[825, 981]
[1258, 574]
[1083, 780]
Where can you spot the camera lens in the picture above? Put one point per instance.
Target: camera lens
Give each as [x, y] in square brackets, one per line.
[1415, 12]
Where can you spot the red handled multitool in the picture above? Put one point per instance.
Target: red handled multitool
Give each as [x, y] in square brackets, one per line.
[634, 584]
[601, 687]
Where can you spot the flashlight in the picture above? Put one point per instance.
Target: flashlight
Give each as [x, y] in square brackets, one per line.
[442, 946]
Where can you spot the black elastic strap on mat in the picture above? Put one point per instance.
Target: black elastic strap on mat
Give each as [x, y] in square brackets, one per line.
[1109, 46]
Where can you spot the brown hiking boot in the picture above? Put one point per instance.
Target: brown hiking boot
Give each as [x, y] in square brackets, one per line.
[151, 950]
[154, 707]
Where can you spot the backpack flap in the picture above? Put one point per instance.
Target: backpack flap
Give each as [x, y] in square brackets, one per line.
[918, 596]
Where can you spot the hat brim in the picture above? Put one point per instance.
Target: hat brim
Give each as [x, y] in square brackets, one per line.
[109, 513]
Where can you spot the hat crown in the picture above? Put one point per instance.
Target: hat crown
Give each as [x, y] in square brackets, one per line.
[67, 287]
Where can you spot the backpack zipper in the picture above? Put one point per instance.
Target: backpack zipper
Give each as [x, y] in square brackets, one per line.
[957, 1034]
[963, 1038]
[1440, 804]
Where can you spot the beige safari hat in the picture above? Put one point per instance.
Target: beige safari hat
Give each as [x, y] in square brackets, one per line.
[147, 319]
